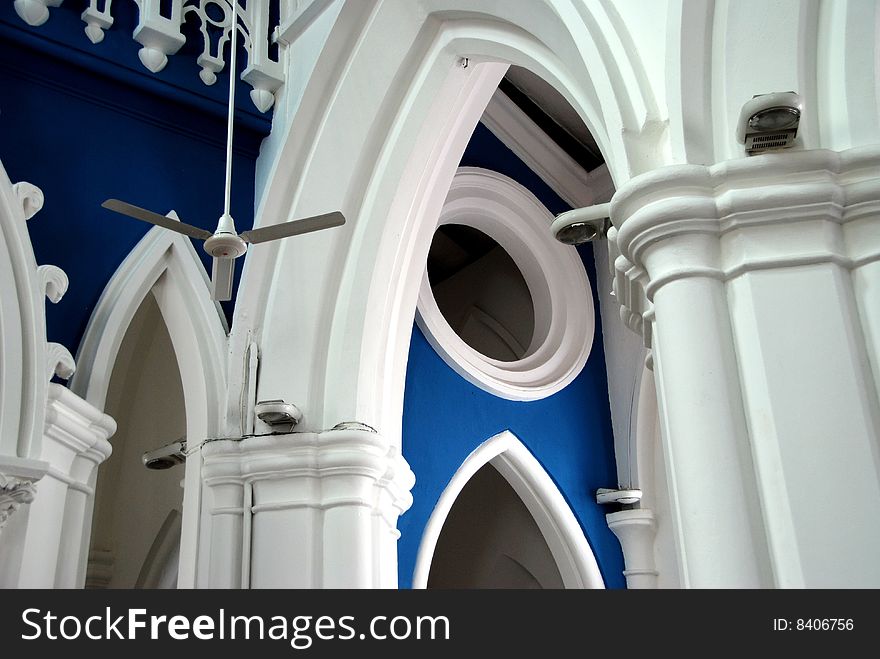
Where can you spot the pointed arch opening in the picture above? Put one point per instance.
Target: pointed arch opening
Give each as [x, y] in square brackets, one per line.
[554, 553]
[163, 287]
[145, 397]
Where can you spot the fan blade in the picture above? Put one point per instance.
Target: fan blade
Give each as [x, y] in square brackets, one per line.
[294, 228]
[144, 215]
[221, 279]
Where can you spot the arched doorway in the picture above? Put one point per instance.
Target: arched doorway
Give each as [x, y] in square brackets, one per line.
[161, 285]
[501, 479]
[490, 540]
[135, 507]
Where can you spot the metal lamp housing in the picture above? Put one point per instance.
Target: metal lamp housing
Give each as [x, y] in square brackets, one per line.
[769, 121]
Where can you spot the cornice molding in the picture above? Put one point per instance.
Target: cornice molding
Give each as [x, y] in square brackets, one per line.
[737, 194]
[739, 216]
[77, 426]
[356, 461]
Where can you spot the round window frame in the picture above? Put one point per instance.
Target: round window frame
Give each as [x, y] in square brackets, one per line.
[562, 297]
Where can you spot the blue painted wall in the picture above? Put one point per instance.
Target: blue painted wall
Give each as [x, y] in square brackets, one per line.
[445, 417]
[86, 122]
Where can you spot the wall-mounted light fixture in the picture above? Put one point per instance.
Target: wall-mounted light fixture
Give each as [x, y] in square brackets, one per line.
[167, 456]
[627, 496]
[278, 413]
[582, 225]
[769, 121]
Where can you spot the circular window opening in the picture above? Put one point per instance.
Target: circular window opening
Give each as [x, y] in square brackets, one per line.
[481, 292]
[502, 302]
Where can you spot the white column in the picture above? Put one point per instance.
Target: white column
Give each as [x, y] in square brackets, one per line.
[55, 542]
[765, 335]
[635, 529]
[319, 510]
[18, 482]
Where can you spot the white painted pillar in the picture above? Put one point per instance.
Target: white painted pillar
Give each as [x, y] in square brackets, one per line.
[322, 510]
[55, 542]
[635, 529]
[763, 275]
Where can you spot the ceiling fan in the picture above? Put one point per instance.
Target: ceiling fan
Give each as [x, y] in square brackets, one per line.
[225, 244]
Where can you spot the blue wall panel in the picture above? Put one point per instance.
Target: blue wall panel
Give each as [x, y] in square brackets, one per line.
[445, 417]
[83, 129]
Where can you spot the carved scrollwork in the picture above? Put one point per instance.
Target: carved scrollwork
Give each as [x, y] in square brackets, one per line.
[30, 197]
[54, 282]
[14, 492]
[59, 362]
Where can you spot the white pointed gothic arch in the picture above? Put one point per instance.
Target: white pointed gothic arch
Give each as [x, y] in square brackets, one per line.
[562, 533]
[385, 154]
[167, 266]
[23, 381]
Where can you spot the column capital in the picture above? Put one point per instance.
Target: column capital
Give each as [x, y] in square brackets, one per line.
[74, 428]
[635, 529]
[720, 221]
[344, 488]
[336, 454]
[777, 188]
[18, 479]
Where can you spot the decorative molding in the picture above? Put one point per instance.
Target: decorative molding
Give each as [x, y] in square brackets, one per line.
[161, 36]
[635, 529]
[59, 361]
[560, 528]
[628, 283]
[351, 484]
[30, 197]
[555, 275]
[75, 442]
[54, 281]
[14, 492]
[23, 335]
[750, 194]
[76, 425]
[577, 187]
[364, 456]
[740, 202]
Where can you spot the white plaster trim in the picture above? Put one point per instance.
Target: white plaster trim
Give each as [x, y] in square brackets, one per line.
[328, 454]
[577, 187]
[570, 548]
[158, 252]
[739, 201]
[554, 273]
[23, 379]
[76, 426]
[795, 187]
[284, 481]
[635, 529]
[399, 167]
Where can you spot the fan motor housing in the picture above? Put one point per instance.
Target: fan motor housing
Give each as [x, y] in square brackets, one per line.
[225, 245]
